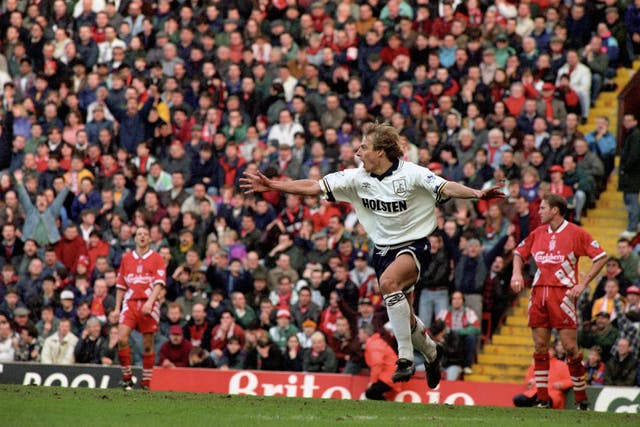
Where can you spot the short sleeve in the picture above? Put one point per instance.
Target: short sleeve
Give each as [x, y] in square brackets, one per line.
[339, 186]
[588, 246]
[160, 272]
[120, 282]
[524, 248]
[433, 183]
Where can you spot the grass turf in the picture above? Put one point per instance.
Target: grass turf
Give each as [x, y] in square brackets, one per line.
[54, 406]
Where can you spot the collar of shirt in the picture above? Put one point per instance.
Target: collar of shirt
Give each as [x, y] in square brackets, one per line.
[388, 172]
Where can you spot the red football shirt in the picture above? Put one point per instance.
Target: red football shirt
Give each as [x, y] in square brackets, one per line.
[139, 274]
[556, 253]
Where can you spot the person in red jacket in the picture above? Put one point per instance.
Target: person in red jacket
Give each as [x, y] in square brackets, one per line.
[96, 248]
[559, 383]
[557, 182]
[71, 247]
[381, 360]
[175, 352]
[393, 49]
[226, 329]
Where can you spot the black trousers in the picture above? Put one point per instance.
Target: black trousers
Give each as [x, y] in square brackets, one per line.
[377, 391]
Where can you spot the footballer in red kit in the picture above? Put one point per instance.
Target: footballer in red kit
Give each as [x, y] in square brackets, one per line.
[556, 247]
[141, 277]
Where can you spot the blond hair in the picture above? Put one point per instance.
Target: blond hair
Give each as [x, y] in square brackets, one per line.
[383, 137]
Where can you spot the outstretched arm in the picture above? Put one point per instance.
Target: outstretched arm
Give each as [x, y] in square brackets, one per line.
[459, 191]
[257, 183]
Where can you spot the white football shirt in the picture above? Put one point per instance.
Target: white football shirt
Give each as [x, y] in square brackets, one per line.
[395, 207]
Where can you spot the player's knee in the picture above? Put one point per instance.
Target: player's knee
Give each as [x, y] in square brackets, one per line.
[540, 347]
[389, 285]
[571, 350]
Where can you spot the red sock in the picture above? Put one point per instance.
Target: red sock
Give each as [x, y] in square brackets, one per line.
[541, 374]
[148, 360]
[576, 370]
[124, 354]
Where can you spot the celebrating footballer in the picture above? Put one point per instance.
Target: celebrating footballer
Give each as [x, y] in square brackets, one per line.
[395, 202]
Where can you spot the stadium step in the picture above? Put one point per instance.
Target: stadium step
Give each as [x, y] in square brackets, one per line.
[500, 339]
[496, 359]
[497, 369]
[516, 350]
[509, 379]
[516, 331]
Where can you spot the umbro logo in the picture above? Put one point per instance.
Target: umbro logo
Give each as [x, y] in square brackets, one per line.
[365, 185]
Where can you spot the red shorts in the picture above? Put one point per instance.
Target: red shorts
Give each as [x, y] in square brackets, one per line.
[550, 307]
[133, 317]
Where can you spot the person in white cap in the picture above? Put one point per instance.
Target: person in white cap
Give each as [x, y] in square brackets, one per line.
[280, 333]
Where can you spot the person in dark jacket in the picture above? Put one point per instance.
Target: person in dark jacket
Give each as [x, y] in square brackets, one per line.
[265, 357]
[433, 286]
[629, 173]
[470, 274]
[621, 369]
[132, 122]
[206, 170]
[90, 344]
[320, 357]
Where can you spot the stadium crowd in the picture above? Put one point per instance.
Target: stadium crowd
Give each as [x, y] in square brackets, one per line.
[122, 113]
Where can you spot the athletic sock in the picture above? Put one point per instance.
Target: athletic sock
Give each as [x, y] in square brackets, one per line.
[124, 354]
[148, 360]
[576, 370]
[423, 342]
[541, 374]
[399, 316]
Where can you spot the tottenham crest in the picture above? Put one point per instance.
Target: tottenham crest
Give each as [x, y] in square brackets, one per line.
[400, 187]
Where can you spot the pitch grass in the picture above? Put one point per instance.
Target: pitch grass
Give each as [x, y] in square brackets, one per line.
[53, 406]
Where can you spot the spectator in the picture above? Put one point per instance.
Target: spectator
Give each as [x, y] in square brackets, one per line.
[602, 142]
[433, 287]
[28, 348]
[629, 180]
[622, 367]
[470, 274]
[379, 357]
[305, 308]
[605, 303]
[198, 329]
[90, 344]
[59, 348]
[629, 260]
[320, 357]
[226, 329]
[233, 357]
[614, 271]
[41, 217]
[280, 333]
[266, 356]
[599, 333]
[463, 321]
[453, 349]
[199, 358]
[175, 352]
[559, 381]
[580, 80]
[109, 350]
[595, 367]
[8, 340]
[293, 353]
